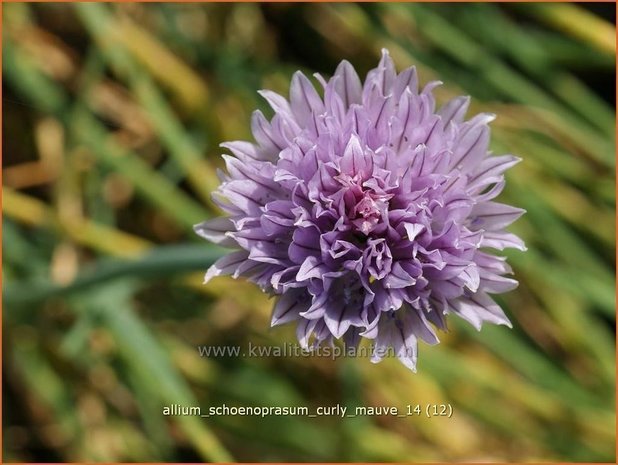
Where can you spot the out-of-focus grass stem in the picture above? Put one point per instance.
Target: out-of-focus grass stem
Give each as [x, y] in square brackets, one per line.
[33, 212]
[488, 24]
[577, 22]
[47, 96]
[109, 34]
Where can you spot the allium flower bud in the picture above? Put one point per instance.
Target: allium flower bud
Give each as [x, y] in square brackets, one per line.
[367, 212]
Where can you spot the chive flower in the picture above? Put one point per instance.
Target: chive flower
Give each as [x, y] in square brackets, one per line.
[367, 212]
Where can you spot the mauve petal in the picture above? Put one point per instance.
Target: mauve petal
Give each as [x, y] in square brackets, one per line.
[254, 271]
[226, 265]
[320, 296]
[491, 169]
[398, 278]
[496, 284]
[404, 343]
[244, 151]
[304, 330]
[274, 225]
[355, 159]
[338, 319]
[447, 237]
[471, 278]
[305, 242]
[492, 263]
[471, 149]
[277, 102]
[269, 252]
[407, 79]
[258, 172]
[493, 192]
[381, 78]
[416, 322]
[246, 195]
[493, 216]
[479, 308]
[436, 312]
[304, 99]
[454, 110]
[286, 278]
[312, 267]
[289, 306]
[502, 240]
[450, 271]
[263, 133]
[413, 230]
[215, 231]
[446, 289]
[348, 84]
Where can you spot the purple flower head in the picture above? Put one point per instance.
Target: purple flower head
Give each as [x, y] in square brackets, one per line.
[367, 212]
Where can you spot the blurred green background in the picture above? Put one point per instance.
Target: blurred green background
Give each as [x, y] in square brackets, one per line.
[112, 116]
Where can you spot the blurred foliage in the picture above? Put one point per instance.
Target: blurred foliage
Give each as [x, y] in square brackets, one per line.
[112, 119]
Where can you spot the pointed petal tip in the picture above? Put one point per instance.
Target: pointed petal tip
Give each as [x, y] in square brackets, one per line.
[345, 63]
[409, 364]
[299, 76]
[320, 79]
[430, 86]
[211, 273]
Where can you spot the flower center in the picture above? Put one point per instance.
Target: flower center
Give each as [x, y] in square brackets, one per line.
[364, 206]
[367, 212]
